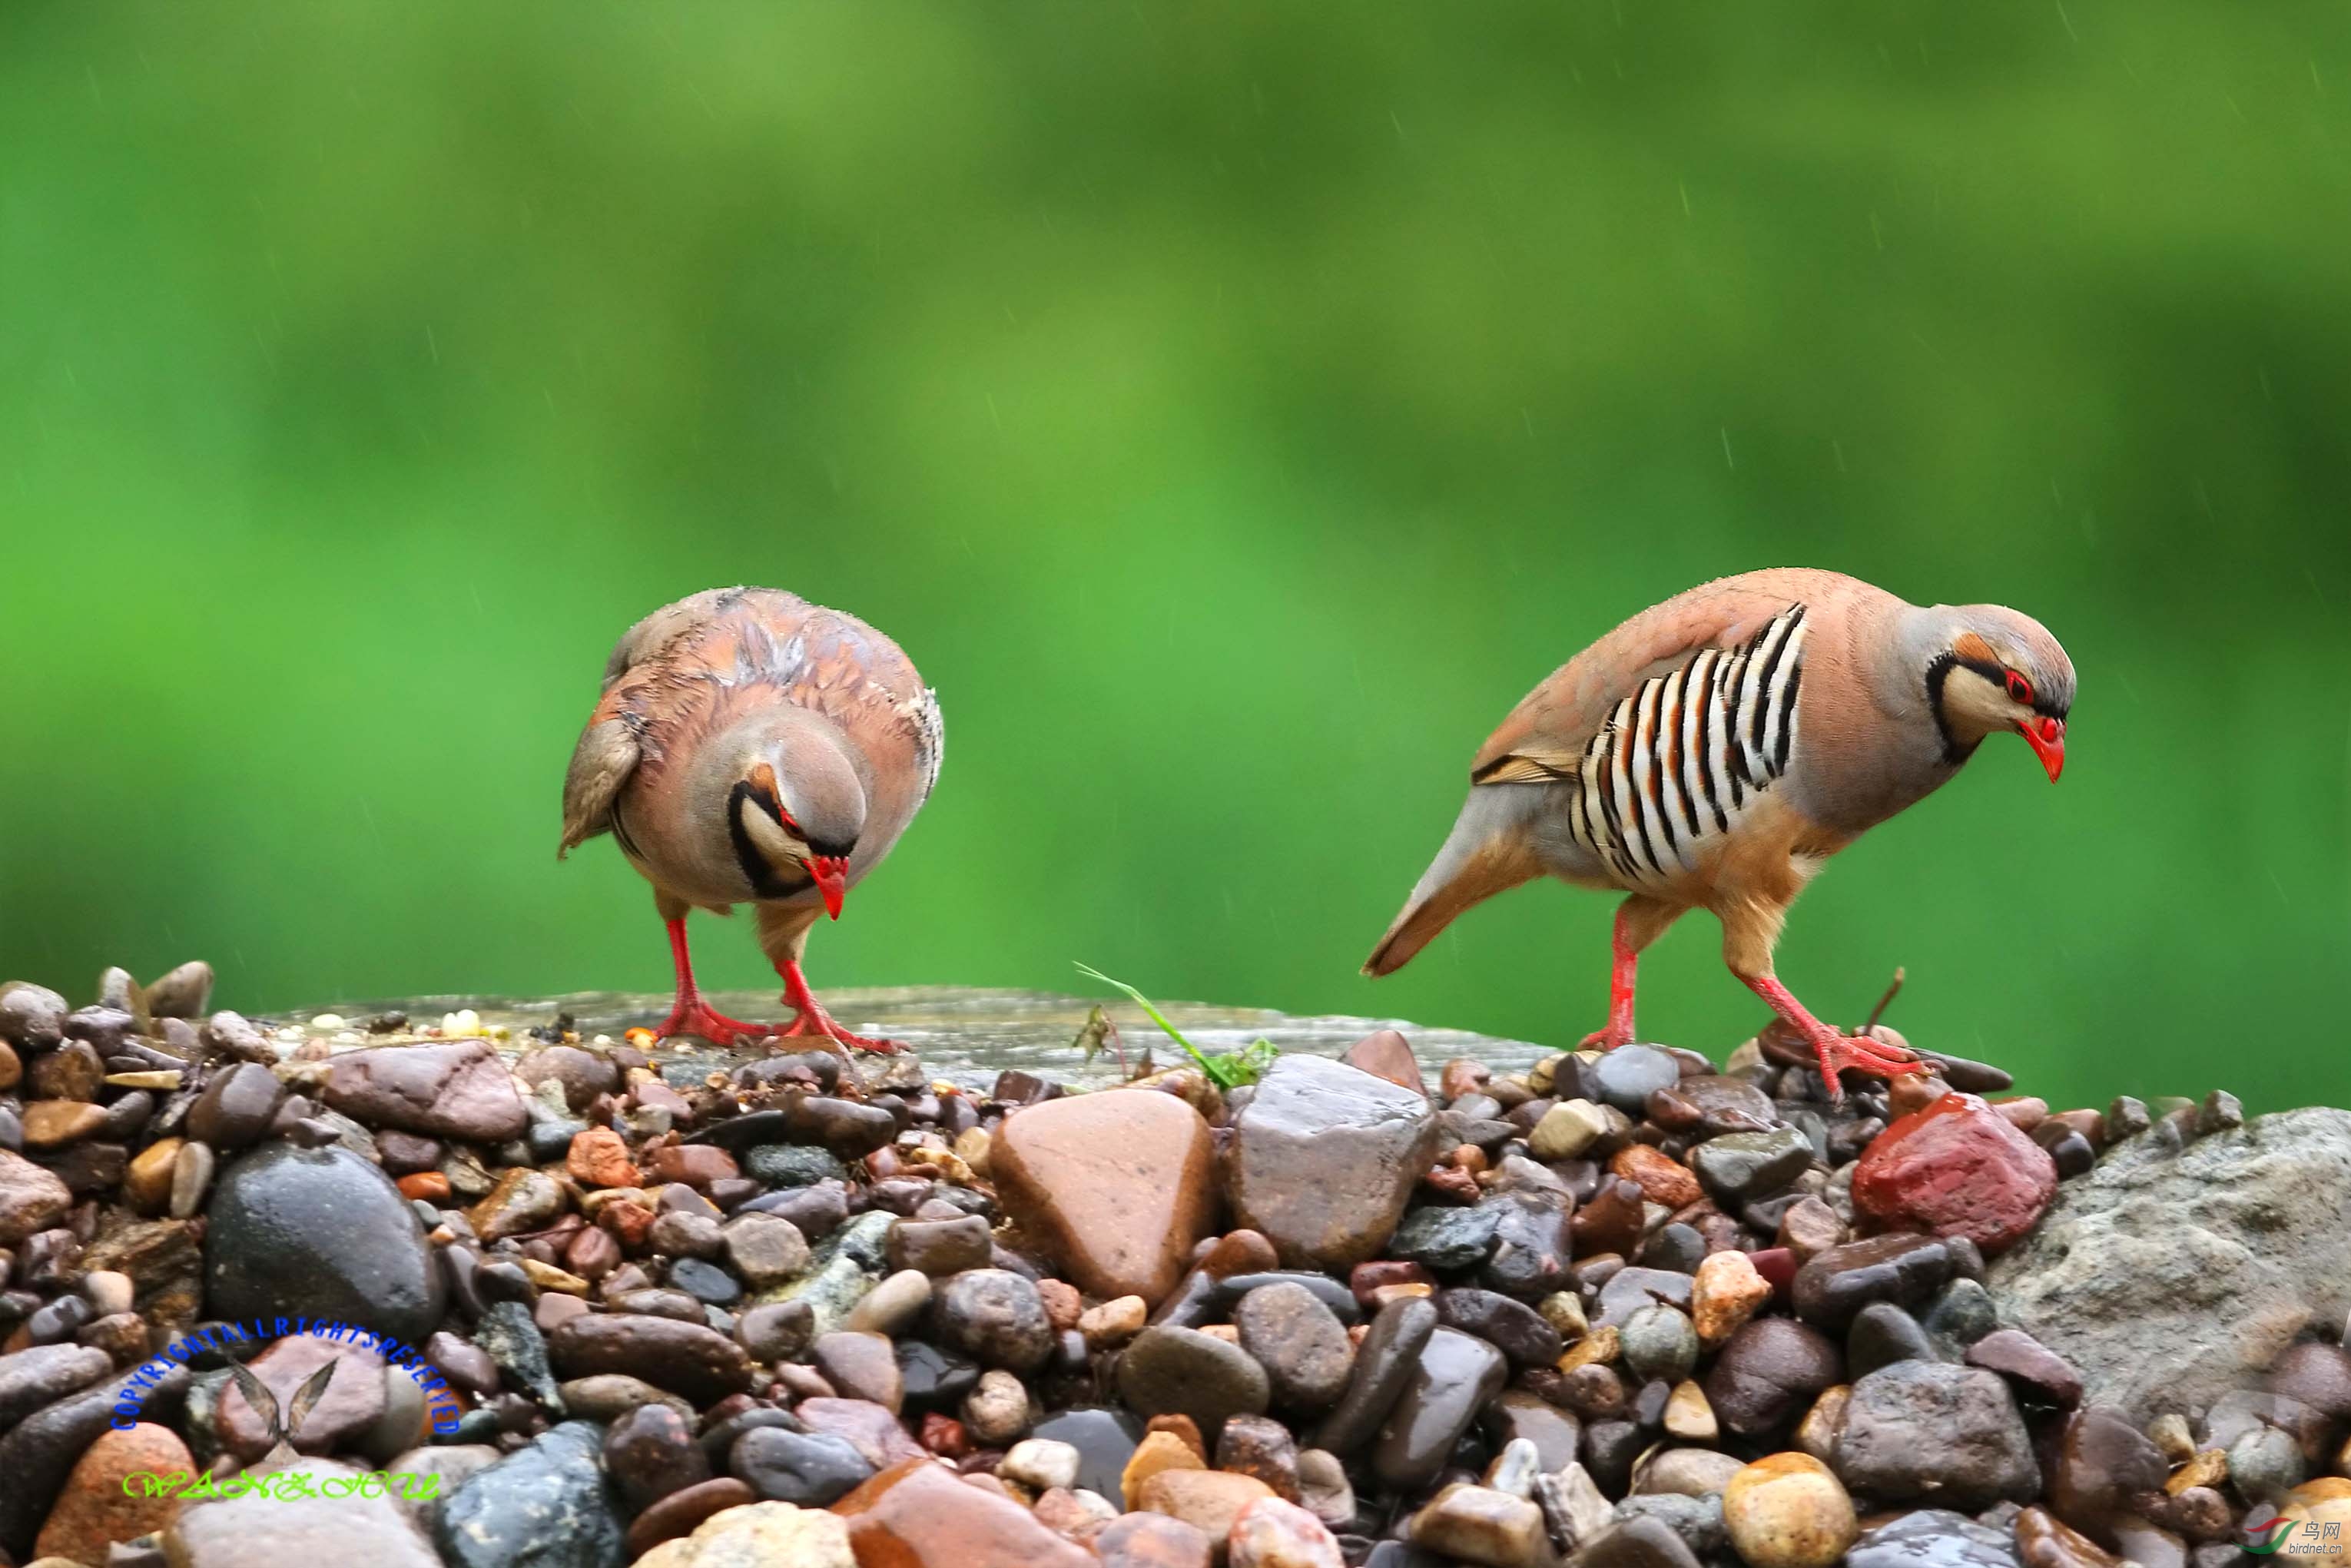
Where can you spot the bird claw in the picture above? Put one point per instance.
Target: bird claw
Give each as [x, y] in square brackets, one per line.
[1859, 1053]
[1607, 1038]
[697, 1017]
[815, 1023]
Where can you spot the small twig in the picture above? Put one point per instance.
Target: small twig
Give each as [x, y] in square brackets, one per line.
[1893, 990]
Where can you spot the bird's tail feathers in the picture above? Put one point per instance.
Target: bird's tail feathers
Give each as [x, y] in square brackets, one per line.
[1489, 852]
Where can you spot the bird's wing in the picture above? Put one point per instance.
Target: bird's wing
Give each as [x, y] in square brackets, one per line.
[607, 754]
[835, 664]
[1544, 739]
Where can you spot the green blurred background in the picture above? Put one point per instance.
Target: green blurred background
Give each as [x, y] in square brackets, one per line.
[1233, 410]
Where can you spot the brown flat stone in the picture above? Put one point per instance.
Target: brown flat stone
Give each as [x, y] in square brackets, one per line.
[1207, 1501]
[682, 1511]
[54, 1123]
[452, 1088]
[1118, 1186]
[352, 1402]
[1386, 1053]
[920, 1514]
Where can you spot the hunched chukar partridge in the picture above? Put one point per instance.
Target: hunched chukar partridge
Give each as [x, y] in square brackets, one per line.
[752, 747]
[1712, 752]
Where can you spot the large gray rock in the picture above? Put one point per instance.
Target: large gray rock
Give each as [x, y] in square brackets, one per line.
[318, 1233]
[2168, 1278]
[1323, 1157]
[1925, 1431]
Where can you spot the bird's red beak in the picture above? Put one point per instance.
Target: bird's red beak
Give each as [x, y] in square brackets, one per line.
[2047, 738]
[832, 873]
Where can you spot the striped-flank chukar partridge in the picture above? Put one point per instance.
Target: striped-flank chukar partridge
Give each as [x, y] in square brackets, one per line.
[752, 747]
[1712, 752]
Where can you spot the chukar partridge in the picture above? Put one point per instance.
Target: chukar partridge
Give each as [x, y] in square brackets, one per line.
[752, 747]
[1713, 751]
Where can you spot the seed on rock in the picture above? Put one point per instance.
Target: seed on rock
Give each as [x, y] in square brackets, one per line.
[1788, 1511]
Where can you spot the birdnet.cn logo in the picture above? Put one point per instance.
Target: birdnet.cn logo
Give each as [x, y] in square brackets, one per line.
[2267, 1534]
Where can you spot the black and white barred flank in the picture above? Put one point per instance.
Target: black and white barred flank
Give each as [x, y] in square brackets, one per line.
[1683, 756]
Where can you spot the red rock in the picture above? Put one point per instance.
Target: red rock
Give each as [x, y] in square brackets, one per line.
[1387, 1054]
[920, 1514]
[1366, 1278]
[696, 1164]
[1660, 1176]
[629, 1222]
[944, 1435]
[429, 1186]
[600, 1157]
[31, 1198]
[1463, 1075]
[92, 1510]
[1958, 1167]
[1116, 1186]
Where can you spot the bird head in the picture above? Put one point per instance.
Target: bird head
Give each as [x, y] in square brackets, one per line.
[795, 811]
[1998, 670]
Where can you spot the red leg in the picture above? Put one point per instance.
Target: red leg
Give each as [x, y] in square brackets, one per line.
[1625, 961]
[1838, 1052]
[694, 1016]
[813, 1021]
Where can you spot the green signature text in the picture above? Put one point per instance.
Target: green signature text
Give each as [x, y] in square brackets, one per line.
[285, 1485]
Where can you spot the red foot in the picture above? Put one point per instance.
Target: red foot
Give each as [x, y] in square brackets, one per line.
[815, 1023]
[1624, 965]
[1858, 1053]
[695, 1017]
[1607, 1038]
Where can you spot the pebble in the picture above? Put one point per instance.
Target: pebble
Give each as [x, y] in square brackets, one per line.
[1323, 1158]
[94, 1507]
[1105, 1440]
[892, 1305]
[1115, 1187]
[650, 1452]
[1957, 1168]
[860, 1365]
[1659, 1342]
[1638, 1543]
[31, 1198]
[997, 1409]
[1169, 1370]
[2032, 1367]
[1444, 1239]
[758, 1533]
[684, 1358]
[1767, 1371]
[1208, 1501]
[1273, 1533]
[1385, 1363]
[237, 1105]
[1299, 1342]
[1725, 1293]
[1883, 1334]
[1788, 1511]
[806, 1468]
[1902, 1268]
[1740, 1167]
[1566, 1130]
[259, 1531]
[995, 1316]
[1935, 1432]
[917, 1514]
[458, 1089]
[1933, 1538]
[1151, 1541]
[318, 1233]
[1454, 1375]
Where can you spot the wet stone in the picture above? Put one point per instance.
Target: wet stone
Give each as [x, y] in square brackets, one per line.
[318, 1233]
[685, 1358]
[1297, 1338]
[1768, 1373]
[460, 1088]
[1116, 1186]
[1516, 1416]
[1384, 1362]
[1930, 1430]
[800, 1468]
[1323, 1158]
[236, 1105]
[1448, 1240]
[1515, 1329]
[1638, 1543]
[1741, 1166]
[1626, 1076]
[1105, 1440]
[942, 1246]
[930, 1378]
[1659, 1342]
[1933, 1538]
[995, 1316]
[1883, 1334]
[2032, 1367]
[1261, 1447]
[1151, 1541]
[650, 1452]
[1905, 1269]
[542, 1503]
[1533, 1246]
[1957, 1168]
[1180, 1371]
[1454, 1375]
[791, 1166]
[1629, 1291]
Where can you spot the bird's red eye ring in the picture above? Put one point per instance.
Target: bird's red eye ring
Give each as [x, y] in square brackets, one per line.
[2020, 690]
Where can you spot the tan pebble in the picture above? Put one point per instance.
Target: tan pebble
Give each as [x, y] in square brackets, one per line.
[1479, 1524]
[1402, 1290]
[1689, 1415]
[157, 1077]
[147, 1181]
[1563, 1310]
[1788, 1511]
[2169, 1433]
[1225, 1332]
[1158, 1451]
[53, 1124]
[1114, 1322]
[1725, 1292]
[1207, 1501]
[1602, 1345]
[548, 1277]
[1823, 1424]
[971, 1147]
[2208, 1468]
